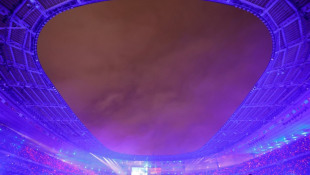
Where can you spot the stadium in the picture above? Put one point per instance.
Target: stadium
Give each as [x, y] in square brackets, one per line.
[269, 133]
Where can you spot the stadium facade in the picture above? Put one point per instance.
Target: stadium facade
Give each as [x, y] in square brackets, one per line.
[40, 133]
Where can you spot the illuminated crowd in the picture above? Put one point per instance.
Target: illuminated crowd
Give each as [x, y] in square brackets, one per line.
[17, 157]
[12, 165]
[293, 158]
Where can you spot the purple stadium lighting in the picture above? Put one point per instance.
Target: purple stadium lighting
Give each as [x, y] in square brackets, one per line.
[267, 134]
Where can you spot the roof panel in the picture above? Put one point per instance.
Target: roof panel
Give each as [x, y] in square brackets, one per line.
[292, 32]
[280, 11]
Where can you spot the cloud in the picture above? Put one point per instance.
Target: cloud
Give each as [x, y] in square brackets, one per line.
[158, 76]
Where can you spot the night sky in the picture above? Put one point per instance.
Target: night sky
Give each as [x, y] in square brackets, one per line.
[154, 76]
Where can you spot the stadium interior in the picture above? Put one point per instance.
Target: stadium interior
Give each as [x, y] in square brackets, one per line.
[269, 133]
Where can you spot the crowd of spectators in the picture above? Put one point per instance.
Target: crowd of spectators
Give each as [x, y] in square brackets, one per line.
[44, 159]
[13, 165]
[288, 150]
[298, 166]
[293, 158]
[16, 157]
[284, 160]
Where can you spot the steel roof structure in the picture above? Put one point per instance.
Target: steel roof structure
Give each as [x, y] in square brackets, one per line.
[40, 111]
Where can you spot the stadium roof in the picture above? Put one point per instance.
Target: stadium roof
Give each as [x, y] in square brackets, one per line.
[32, 96]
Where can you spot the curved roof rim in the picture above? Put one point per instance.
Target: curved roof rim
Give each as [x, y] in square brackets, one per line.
[259, 10]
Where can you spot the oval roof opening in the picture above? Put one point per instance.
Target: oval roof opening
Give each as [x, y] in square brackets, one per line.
[154, 77]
